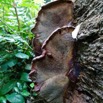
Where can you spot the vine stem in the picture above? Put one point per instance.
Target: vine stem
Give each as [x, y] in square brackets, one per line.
[14, 5]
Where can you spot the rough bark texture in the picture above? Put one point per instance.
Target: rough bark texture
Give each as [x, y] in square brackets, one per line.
[90, 46]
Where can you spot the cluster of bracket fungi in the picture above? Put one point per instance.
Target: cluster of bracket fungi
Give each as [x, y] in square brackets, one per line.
[54, 68]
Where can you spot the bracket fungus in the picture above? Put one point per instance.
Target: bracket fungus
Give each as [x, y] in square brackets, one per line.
[50, 17]
[54, 47]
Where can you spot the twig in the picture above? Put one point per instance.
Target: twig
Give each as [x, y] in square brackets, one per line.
[14, 5]
[3, 16]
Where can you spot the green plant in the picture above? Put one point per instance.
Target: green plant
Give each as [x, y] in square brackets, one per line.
[15, 60]
[16, 21]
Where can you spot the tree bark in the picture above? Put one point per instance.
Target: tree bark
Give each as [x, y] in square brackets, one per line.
[90, 49]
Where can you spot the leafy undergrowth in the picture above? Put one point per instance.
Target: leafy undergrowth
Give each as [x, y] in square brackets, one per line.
[16, 21]
[15, 60]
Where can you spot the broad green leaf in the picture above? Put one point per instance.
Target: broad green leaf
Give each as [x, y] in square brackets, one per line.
[4, 67]
[11, 63]
[9, 39]
[15, 98]
[16, 90]
[7, 87]
[28, 67]
[25, 77]
[2, 100]
[32, 85]
[25, 93]
[22, 56]
[8, 64]
[19, 85]
[25, 85]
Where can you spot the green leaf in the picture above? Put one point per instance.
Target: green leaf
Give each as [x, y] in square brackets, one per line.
[25, 77]
[25, 93]
[4, 67]
[11, 63]
[8, 64]
[15, 98]
[2, 100]
[16, 90]
[19, 85]
[35, 94]
[28, 67]
[7, 87]
[22, 56]
[25, 86]
[32, 85]
[9, 39]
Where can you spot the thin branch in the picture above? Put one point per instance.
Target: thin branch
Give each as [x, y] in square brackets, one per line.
[3, 16]
[3, 13]
[14, 5]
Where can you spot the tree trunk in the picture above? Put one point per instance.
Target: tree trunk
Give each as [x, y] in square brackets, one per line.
[90, 49]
